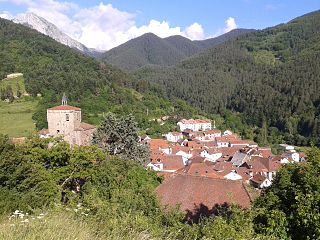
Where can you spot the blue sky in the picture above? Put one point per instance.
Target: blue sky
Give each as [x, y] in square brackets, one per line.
[105, 24]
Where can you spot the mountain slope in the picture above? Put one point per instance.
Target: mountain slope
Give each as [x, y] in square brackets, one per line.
[141, 51]
[270, 76]
[150, 49]
[233, 34]
[51, 68]
[42, 25]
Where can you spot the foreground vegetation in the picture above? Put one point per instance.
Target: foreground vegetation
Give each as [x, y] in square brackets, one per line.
[49, 190]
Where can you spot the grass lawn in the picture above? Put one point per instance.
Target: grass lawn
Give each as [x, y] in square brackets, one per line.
[16, 117]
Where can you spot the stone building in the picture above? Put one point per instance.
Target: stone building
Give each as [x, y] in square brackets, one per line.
[65, 120]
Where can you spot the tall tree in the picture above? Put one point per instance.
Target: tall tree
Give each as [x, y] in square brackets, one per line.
[119, 136]
[291, 207]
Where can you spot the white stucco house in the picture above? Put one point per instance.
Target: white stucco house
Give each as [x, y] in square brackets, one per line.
[194, 124]
[211, 155]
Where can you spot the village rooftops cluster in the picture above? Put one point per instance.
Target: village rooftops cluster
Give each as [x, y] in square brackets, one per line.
[208, 166]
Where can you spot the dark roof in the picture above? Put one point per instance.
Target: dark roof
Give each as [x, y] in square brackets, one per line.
[193, 191]
[258, 178]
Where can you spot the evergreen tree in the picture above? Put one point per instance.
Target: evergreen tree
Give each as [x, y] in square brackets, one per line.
[9, 94]
[119, 136]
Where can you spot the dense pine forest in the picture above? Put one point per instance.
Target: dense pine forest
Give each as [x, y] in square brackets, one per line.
[150, 49]
[269, 77]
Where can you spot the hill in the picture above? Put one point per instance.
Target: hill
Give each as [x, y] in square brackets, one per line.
[150, 49]
[51, 68]
[233, 34]
[271, 77]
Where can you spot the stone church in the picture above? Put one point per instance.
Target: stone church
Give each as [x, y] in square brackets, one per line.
[65, 120]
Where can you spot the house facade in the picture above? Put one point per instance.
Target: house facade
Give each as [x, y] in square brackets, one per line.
[195, 124]
[65, 121]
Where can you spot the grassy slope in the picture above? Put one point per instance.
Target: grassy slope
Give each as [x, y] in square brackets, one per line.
[16, 117]
[16, 84]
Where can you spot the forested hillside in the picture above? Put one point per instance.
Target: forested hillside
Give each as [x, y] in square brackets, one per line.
[272, 77]
[150, 49]
[51, 69]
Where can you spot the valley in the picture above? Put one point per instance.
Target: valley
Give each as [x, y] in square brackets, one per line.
[184, 136]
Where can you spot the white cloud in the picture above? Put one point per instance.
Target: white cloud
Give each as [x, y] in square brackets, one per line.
[6, 15]
[104, 26]
[230, 24]
[194, 31]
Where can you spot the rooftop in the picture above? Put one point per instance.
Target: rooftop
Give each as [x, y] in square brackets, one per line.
[65, 107]
[194, 191]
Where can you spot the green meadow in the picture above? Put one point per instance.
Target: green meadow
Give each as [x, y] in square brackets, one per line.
[16, 117]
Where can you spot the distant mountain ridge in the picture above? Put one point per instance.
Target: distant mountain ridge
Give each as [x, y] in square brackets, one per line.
[270, 77]
[150, 49]
[43, 26]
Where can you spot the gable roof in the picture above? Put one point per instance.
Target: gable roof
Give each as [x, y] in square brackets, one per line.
[193, 191]
[65, 107]
[195, 121]
[197, 159]
[85, 126]
[203, 169]
[212, 131]
[158, 143]
[172, 162]
[258, 178]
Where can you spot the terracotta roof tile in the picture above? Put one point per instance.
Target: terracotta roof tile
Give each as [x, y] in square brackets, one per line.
[86, 126]
[192, 191]
[172, 162]
[258, 178]
[65, 107]
[158, 143]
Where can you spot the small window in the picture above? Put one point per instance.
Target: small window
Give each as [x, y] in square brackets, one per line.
[67, 117]
[58, 131]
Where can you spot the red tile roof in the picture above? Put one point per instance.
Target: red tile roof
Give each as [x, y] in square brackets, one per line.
[86, 126]
[226, 138]
[192, 191]
[204, 169]
[194, 121]
[258, 178]
[265, 152]
[229, 151]
[65, 107]
[172, 162]
[223, 166]
[158, 143]
[197, 159]
[212, 131]
[178, 148]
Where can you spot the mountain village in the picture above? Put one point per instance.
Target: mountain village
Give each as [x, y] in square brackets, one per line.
[200, 164]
